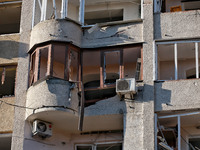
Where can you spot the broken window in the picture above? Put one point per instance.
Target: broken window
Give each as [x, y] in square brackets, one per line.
[10, 12]
[58, 60]
[99, 77]
[87, 12]
[7, 78]
[176, 5]
[177, 131]
[97, 11]
[177, 60]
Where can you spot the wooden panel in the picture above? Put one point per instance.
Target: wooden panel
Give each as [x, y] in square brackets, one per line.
[37, 64]
[102, 69]
[67, 57]
[50, 61]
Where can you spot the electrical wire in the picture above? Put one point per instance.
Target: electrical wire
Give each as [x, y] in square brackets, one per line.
[16, 105]
[38, 107]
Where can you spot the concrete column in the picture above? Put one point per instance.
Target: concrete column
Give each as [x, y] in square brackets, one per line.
[133, 126]
[148, 91]
[22, 76]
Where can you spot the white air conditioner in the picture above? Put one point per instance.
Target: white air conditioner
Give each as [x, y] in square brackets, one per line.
[125, 86]
[42, 129]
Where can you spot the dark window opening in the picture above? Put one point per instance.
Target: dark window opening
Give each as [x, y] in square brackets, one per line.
[103, 16]
[7, 81]
[111, 146]
[84, 148]
[10, 17]
[194, 143]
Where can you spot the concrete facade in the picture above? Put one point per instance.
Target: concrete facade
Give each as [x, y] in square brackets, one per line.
[55, 76]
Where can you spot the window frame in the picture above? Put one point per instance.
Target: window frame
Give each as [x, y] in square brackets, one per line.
[104, 86]
[50, 59]
[197, 55]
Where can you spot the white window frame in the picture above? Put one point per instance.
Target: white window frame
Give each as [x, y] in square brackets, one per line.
[155, 60]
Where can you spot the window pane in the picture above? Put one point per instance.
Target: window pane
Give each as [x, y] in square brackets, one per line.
[132, 58]
[43, 62]
[7, 84]
[91, 69]
[73, 70]
[84, 148]
[59, 61]
[186, 61]
[112, 62]
[114, 146]
[165, 62]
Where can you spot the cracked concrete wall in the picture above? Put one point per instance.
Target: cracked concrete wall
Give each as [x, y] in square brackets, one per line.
[51, 92]
[183, 24]
[104, 107]
[9, 45]
[175, 95]
[60, 30]
[113, 35]
[6, 115]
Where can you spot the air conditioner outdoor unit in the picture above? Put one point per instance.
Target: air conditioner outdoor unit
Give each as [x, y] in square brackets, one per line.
[125, 86]
[42, 129]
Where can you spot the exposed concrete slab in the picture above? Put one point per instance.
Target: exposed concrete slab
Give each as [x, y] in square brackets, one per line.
[113, 35]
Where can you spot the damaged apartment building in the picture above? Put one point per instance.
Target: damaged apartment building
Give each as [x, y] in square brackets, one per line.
[99, 74]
